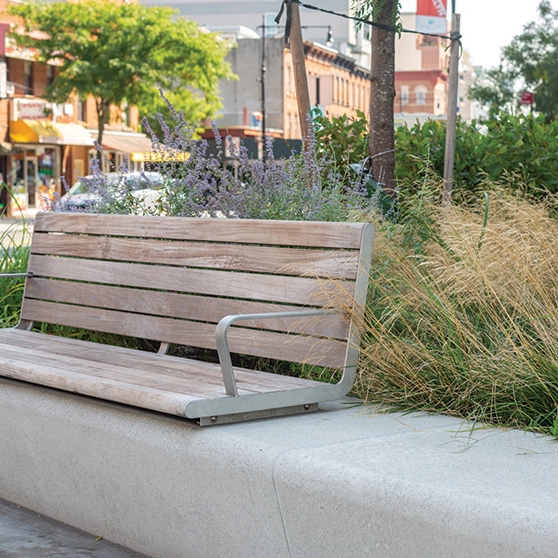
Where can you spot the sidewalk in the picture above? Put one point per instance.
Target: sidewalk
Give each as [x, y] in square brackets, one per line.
[26, 534]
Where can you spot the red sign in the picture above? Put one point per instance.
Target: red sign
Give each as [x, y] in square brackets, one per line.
[431, 16]
[432, 8]
[526, 98]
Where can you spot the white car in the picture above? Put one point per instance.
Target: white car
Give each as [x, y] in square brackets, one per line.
[93, 191]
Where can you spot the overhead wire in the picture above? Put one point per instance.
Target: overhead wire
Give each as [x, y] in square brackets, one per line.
[385, 27]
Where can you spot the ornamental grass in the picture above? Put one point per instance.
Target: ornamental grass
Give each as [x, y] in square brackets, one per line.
[462, 316]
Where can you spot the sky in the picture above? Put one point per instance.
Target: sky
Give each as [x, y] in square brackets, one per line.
[489, 25]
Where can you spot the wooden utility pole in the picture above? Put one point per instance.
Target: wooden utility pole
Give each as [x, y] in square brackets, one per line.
[451, 124]
[301, 80]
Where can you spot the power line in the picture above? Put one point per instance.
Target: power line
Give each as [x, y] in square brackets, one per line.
[383, 26]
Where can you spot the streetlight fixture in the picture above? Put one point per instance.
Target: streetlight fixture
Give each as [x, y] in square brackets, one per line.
[329, 39]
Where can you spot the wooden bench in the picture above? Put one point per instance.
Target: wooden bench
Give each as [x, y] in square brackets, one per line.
[292, 291]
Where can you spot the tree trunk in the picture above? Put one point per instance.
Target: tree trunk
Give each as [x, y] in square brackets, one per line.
[382, 95]
[103, 110]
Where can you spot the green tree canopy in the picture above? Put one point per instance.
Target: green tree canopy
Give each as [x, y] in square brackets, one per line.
[530, 62]
[124, 53]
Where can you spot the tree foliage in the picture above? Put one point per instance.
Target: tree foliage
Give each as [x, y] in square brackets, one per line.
[123, 53]
[530, 61]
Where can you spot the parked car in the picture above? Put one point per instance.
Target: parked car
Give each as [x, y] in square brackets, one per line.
[93, 191]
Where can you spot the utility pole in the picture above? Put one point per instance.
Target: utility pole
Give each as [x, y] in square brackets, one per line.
[451, 125]
[262, 79]
[301, 80]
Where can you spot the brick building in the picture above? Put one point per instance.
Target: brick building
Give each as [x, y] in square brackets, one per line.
[337, 86]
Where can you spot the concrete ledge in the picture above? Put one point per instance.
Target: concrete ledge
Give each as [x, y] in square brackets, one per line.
[340, 482]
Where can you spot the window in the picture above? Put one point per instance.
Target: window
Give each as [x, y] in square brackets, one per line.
[404, 95]
[49, 75]
[288, 82]
[82, 110]
[27, 78]
[420, 93]
[125, 112]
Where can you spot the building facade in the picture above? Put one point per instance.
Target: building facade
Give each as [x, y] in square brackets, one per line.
[337, 86]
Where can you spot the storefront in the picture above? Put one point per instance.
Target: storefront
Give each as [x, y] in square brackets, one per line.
[41, 152]
[119, 147]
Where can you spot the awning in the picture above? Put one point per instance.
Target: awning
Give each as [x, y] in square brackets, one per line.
[126, 143]
[44, 131]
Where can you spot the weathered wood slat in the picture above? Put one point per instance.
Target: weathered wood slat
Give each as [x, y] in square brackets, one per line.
[195, 384]
[283, 233]
[179, 371]
[291, 290]
[261, 259]
[293, 348]
[191, 307]
[102, 388]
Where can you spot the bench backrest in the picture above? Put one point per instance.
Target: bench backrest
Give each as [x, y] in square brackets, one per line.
[171, 279]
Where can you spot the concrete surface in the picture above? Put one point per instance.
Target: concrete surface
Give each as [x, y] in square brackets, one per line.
[27, 534]
[343, 482]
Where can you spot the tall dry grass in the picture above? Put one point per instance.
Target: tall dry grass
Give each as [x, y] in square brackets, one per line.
[462, 318]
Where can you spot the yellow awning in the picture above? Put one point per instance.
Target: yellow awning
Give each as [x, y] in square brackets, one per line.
[44, 131]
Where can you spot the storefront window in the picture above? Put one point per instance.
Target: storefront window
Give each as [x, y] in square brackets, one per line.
[33, 173]
[46, 167]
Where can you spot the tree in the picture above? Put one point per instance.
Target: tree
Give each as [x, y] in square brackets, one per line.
[123, 53]
[496, 89]
[530, 61]
[382, 89]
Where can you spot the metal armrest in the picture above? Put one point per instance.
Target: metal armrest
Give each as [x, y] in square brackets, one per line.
[26, 274]
[223, 345]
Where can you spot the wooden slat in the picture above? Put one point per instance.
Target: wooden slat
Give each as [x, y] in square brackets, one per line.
[282, 233]
[193, 384]
[290, 290]
[102, 388]
[174, 305]
[182, 375]
[294, 348]
[265, 259]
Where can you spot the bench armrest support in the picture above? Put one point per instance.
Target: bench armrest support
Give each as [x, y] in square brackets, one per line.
[223, 345]
[23, 274]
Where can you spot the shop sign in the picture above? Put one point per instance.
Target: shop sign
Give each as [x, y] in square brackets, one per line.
[526, 98]
[431, 16]
[32, 110]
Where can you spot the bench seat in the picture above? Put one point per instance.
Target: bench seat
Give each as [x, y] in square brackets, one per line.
[152, 381]
[285, 291]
